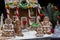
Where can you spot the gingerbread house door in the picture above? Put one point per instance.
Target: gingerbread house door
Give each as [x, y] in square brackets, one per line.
[24, 22]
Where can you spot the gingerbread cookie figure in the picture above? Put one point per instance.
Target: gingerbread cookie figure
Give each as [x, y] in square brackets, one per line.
[8, 28]
[18, 28]
[46, 21]
[47, 25]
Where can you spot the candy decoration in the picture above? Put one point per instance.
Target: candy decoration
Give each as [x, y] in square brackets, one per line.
[58, 17]
[29, 18]
[17, 13]
[38, 19]
[41, 15]
[32, 1]
[52, 30]
[39, 7]
[56, 8]
[15, 3]
[24, 22]
[23, 5]
[8, 6]
[35, 25]
[29, 6]
[9, 3]
[8, 13]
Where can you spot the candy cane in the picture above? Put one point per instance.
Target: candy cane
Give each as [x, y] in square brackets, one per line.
[17, 13]
[8, 13]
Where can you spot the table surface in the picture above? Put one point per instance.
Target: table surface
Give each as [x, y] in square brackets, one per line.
[27, 35]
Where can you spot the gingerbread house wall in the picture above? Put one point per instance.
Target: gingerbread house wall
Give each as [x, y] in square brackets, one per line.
[23, 13]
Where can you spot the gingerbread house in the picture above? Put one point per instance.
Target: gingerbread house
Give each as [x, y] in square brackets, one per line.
[27, 10]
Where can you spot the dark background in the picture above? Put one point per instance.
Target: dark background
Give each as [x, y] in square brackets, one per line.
[2, 9]
[45, 2]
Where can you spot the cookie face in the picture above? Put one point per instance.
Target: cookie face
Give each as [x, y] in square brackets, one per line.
[8, 21]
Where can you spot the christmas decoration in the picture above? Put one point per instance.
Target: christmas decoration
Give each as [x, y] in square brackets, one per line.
[58, 17]
[17, 11]
[8, 13]
[8, 6]
[41, 15]
[46, 24]
[24, 22]
[15, 3]
[34, 26]
[23, 4]
[8, 28]
[28, 16]
[29, 6]
[18, 28]
[52, 30]
[55, 8]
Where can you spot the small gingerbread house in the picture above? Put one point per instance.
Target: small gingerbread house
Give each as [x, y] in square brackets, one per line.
[27, 10]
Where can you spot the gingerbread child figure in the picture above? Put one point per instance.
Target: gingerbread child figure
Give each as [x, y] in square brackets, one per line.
[46, 24]
[18, 28]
